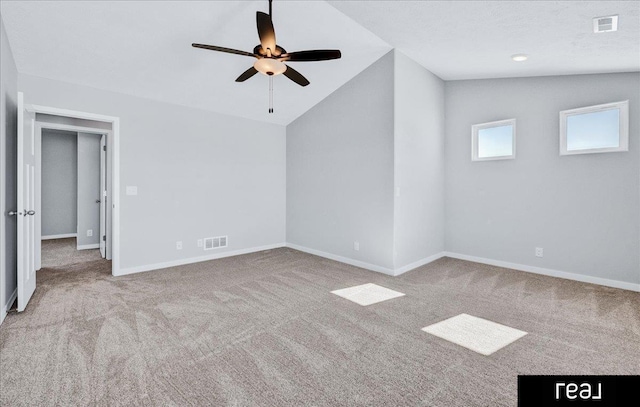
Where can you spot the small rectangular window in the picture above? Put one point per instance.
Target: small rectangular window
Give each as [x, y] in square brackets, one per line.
[493, 140]
[595, 129]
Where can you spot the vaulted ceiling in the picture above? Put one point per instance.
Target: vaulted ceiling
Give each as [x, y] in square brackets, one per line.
[143, 48]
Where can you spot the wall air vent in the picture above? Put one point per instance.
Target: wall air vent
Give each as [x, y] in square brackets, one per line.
[211, 243]
[605, 24]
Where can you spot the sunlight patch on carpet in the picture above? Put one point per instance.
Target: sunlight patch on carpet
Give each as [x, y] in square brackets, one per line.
[367, 294]
[477, 334]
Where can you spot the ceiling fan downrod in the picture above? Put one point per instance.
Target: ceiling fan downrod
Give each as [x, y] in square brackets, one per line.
[271, 94]
[270, 76]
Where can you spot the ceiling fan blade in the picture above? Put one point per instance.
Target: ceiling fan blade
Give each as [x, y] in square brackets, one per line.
[315, 55]
[265, 31]
[223, 49]
[295, 76]
[247, 74]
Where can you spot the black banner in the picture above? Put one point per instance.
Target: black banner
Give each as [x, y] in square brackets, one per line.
[615, 391]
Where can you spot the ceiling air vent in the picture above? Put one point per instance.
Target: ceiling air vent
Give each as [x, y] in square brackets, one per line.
[211, 243]
[605, 24]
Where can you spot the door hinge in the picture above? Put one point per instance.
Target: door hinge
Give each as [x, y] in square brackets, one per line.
[104, 238]
[104, 148]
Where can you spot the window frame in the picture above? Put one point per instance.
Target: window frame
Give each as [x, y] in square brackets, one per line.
[623, 131]
[475, 129]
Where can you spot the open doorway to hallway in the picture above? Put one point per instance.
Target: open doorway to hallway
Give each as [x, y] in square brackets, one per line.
[31, 120]
[73, 196]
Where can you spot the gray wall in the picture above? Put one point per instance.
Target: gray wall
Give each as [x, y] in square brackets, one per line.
[340, 170]
[8, 156]
[88, 188]
[198, 173]
[582, 209]
[59, 182]
[419, 162]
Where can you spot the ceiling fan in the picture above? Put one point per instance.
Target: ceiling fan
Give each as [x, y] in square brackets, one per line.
[271, 57]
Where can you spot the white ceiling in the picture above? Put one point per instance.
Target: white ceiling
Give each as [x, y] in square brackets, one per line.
[476, 39]
[143, 48]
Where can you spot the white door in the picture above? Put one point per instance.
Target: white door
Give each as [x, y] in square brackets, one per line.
[103, 196]
[26, 204]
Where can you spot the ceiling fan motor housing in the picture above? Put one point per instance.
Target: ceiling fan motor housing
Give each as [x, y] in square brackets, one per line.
[258, 50]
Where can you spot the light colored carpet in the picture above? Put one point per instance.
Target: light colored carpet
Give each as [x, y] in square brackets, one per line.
[263, 329]
[63, 252]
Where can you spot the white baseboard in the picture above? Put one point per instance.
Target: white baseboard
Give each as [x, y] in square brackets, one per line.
[548, 272]
[181, 262]
[88, 246]
[63, 236]
[368, 266]
[6, 307]
[419, 263]
[342, 259]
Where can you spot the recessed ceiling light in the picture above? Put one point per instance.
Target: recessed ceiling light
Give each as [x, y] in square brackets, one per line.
[519, 57]
[605, 24]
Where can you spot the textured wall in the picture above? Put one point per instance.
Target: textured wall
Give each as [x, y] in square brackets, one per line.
[8, 154]
[59, 182]
[582, 209]
[340, 170]
[199, 174]
[419, 162]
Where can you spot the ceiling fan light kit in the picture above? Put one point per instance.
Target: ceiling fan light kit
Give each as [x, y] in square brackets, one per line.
[269, 66]
[271, 57]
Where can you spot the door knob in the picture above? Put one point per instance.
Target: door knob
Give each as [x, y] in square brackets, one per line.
[97, 201]
[30, 213]
[14, 213]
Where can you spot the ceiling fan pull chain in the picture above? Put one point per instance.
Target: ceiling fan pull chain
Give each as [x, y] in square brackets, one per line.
[270, 94]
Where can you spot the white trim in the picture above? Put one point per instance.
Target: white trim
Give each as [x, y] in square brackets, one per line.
[419, 263]
[115, 182]
[5, 307]
[69, 113]
[623, 129]
[88, 246]
[342, 259]
[548, 272]
[500, 123]
[73, 128]
[62, 236]
[181, 262]
[115, 188]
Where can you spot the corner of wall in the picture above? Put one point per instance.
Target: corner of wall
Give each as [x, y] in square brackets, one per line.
[418, 163]
[351, 199]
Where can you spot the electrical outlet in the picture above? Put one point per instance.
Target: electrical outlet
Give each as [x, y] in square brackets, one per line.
[90, 232]
[356, 245]
[178, 245]
[539, 252]
[200, 243]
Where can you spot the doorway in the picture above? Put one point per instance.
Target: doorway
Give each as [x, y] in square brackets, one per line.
[73, 185]
[31, 120]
